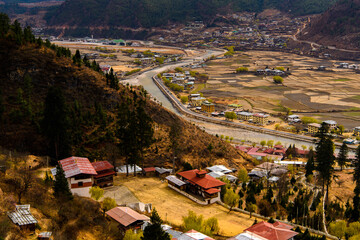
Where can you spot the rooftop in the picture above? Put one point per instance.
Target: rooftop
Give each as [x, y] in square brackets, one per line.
[126, 216]
[205, 182]
[22, 216]
[73, 166]
[102, 165]
[276, 231]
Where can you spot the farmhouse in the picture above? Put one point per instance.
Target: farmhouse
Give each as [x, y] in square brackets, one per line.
[260, 118]
[245, 116]
[331, 123]
[207, 106]
[200, 183]
[79, 172]
[105, 174]
[127, 218]
[267, 231]
[22, 217]
[313, 128]
[197, 101]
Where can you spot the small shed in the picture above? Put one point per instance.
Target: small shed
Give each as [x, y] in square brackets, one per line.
[162, 172]
[45, 236]
[23, 217]
[149, 171]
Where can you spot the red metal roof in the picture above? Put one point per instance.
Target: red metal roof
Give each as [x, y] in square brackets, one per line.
[212, 190]
[271, 232]
[205, 182]
[107, 173]
[126, 216]
[149, 169]
[283, 225]
[102, 165]
[73, 166]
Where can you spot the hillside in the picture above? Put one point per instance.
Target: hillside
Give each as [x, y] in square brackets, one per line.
[27, 73]
[143, 13]
[339, 26]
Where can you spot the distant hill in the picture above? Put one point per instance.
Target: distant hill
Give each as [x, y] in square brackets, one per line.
[29, 70]
[144, 13]
[339, 26]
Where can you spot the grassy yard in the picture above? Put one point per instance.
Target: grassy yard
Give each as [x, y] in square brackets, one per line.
[172, 206]
[198, 88]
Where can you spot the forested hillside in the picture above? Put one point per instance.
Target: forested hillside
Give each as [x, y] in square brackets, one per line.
[57, 104]
[145, 13]
[338, 26]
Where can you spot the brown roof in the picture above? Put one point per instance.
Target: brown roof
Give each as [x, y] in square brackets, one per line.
[102, 165]
[205, 182]
[126, 216]
[276, 231]
[212, 190]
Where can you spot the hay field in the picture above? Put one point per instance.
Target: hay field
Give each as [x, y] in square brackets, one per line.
[172, 206]
[303, 90]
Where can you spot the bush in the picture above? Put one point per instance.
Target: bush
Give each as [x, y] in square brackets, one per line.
[242, 69]
[278, 79]
[184, 99]
[132, 72]
[178, 69]
[280, 68]
[307, 120]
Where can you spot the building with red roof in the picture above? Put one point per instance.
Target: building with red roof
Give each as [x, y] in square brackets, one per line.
[105, 174]
[200, 183]
[79, 172]
[267, 231]
[127, 218]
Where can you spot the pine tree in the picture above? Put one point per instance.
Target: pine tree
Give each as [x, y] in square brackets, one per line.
[342, 157]
[356, 200]
[4, 24]
[310, 164]
[325, 155]
[155, 231]
[55, 124]
[2, 108]
[61, 185]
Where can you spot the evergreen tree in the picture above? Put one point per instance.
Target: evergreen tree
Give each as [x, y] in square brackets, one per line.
[55, 124]
[310, 164]
[2, 107]
[356, 200]
[325, 155]
[155, 231]
[342, 157]
[61, 185]
[4, 24]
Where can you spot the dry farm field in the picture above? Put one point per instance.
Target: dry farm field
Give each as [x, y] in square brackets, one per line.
[172, 206]
[303, 90]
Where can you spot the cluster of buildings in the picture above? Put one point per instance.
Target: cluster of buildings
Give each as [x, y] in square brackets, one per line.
[270, 72]
[276, 153]
[348, 66]
[82, 175]
[182, 79]
[257, 118]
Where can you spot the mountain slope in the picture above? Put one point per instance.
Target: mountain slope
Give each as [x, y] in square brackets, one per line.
[87, 89]
[339, 26]
[146, 13]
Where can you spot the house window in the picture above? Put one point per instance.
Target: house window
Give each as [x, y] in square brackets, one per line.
[80, 184]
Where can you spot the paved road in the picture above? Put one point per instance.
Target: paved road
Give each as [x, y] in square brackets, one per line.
[162, 94]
